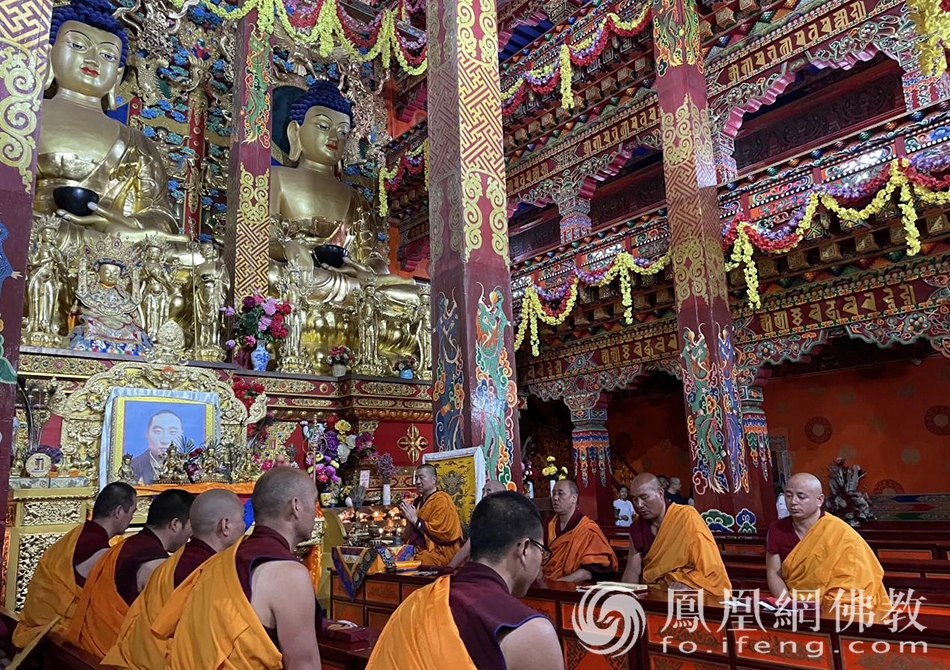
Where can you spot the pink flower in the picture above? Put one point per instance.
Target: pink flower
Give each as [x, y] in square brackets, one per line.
[250, 341]
[258, 298]
[263, 324]
[270, 307]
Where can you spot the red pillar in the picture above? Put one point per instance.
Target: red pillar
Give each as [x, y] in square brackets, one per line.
[474, 391]
[721, 479]
[590, 448]
[24, 50]
[248, 217]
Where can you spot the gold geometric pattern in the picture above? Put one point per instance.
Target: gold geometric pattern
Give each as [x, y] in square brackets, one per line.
[24, 45]
[252, 233]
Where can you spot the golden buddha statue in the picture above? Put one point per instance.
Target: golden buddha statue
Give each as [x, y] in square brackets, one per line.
[311, 208]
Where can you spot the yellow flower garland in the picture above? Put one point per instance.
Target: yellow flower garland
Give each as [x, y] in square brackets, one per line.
[743, 250]
[328, 30]
[532, 310]
[933, 26]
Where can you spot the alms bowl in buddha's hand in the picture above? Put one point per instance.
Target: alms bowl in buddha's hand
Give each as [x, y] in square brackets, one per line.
[330, 254]
[75, 199]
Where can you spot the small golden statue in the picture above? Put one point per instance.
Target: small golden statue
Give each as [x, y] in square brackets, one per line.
[173, 468]
[109, 319]
[331, 233]
[293, 290]
[210, 465]
[367, 312]
[211, 288]
[424, 334]
[46, 275]
[159, 285]
[125, 473]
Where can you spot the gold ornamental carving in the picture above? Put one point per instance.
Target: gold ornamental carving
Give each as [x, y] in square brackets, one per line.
[413, 443]
[31, 549]
[83, 410]
[51, 512]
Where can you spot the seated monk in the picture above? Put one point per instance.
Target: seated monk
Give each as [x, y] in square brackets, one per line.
[474, 620]
[116, 581]
[579, 549]
[252, 607]
[434, 525]
[670, 544]
[491, 486]
[217, 522]
[810, 555]
[61, 572]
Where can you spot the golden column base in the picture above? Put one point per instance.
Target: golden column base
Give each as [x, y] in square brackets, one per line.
[295, 364]
[210, 354]
[44, 340]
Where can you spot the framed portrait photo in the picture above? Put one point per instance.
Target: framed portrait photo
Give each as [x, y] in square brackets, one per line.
[146, 422]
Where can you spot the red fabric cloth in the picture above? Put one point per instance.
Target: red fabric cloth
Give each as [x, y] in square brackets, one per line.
[265, 544]
[92, 538]
[196, 552]
[483, 609]
[782, 537]
[139, 549]
[558, 531]
[642, 536]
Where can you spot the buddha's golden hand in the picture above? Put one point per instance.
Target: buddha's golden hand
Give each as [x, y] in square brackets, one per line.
[101, 219]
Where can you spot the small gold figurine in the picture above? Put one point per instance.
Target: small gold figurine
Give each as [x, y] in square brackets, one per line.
[210, 465]
[173, 468]
[125, 473]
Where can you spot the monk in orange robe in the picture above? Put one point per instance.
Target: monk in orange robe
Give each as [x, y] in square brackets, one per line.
[810, 555]
[60, 575]
[670, 544]
[474, 618]
[491, 486]
[251, 607]
[433, 521]
[217, 522]
[116, 581]
[578, 547]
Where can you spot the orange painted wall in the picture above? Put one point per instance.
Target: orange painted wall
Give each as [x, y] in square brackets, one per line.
[650, 433]
[893, 420]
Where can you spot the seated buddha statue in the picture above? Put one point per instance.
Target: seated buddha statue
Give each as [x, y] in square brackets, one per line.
[80, 146]
[311, 207]
[109, 319]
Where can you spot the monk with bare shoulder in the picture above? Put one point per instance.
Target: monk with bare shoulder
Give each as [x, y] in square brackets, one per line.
[252, 607]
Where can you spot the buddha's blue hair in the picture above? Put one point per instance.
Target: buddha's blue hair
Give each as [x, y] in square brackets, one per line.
[95, 13]
[322, 94]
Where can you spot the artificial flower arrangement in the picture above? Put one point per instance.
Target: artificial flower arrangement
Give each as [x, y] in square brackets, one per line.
[406, 363]
[340, 355]
[247, 392]
[846, 501]
[261, 321]
[551, 470]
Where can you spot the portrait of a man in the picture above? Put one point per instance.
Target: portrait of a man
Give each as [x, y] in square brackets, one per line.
[145, 426]
[163, 430]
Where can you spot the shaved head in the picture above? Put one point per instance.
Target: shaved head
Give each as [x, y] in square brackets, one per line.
[564, 498]
[426, 469]
[426, 480]
[211, 507]
[645, 482]
[492, 486]
[804, 497]
[805, 480]
[648, 496]
[277, 488]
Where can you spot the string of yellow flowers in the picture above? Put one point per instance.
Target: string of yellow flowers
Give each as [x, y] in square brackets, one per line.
[743, 248]
[326, 32]
[933, 26]
[388, 174]
[533, 310]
